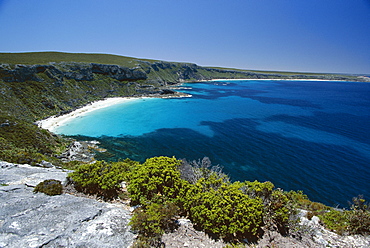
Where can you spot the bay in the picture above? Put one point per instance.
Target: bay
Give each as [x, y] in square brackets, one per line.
[301, 135]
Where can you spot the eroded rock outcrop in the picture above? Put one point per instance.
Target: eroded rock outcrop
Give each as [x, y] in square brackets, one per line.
[30, 219]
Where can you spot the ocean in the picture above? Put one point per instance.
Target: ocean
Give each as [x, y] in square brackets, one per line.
[300, 135]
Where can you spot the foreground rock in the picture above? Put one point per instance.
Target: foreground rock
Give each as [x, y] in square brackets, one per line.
[187, 236]
[37, 220]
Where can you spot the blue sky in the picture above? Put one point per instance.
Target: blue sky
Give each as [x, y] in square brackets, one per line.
[285, 35]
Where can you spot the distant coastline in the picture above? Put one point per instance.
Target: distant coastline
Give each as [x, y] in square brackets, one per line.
[278, 79]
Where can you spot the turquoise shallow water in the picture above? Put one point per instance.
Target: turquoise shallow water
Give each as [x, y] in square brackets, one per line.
[302, 135]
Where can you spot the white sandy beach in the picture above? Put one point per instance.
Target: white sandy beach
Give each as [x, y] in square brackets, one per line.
[53, 122]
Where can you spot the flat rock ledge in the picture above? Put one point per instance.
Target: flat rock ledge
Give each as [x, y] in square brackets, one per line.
[30, 219]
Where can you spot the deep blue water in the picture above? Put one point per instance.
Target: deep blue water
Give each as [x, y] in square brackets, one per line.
[301, 135]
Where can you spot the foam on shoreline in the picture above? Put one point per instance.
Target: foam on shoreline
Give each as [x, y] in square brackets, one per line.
[53, 122]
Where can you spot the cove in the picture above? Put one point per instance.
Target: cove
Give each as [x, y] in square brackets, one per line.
[301, 135]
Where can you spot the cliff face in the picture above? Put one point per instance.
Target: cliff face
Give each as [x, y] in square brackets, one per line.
[33, 92]
[75, 71]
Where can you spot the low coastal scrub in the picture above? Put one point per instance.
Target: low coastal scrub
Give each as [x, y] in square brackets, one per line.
[23, 142]
[50, 187]
[353, 221]
[102, 178]
[231, 211]
[163, 188]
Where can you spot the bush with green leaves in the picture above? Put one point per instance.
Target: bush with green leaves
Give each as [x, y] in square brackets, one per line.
[155, 219]
[335, 220]
[261, 190]
[152, 221]
[359, 216]
[155, 181]
[300, 200]
[354, 221]
[279, 210]
[101, 178]
[225, 211]
[50, 187]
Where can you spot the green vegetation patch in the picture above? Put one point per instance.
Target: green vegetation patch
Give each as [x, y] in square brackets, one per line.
[164, 188]
[57, 57]
[23, 142]
[102, 178]
[354, 221]
[50, 187]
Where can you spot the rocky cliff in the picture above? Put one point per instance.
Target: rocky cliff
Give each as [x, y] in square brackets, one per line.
[75, 71]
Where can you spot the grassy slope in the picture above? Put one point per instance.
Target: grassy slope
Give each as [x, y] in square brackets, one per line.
[22, 103]
[46, 57]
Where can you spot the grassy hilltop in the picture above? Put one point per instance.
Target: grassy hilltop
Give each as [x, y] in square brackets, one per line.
[163, 72]
[57, 57]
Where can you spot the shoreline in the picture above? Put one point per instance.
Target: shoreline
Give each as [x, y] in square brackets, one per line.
[54, 121]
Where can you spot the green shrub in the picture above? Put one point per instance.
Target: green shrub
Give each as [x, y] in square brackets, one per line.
[261, 190]
[101, 178]
[155, 220]
[359, 203]
[155, 181]
[299, 199]
[151, 222]
[280, 211]
[359, 217]
[354, 221]
[49, 187]
[226, 211]
[335, 220]
[358, 222]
